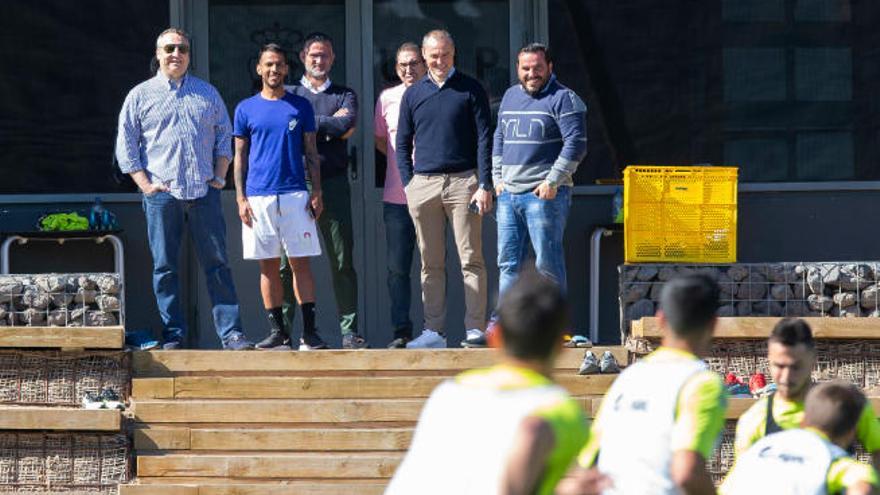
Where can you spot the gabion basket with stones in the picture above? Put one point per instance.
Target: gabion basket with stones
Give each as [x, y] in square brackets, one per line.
[833, 289]
[55, 378]
[63, 462]
[61, 300]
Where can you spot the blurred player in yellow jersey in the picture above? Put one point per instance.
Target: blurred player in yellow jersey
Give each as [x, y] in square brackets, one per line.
[791, 352]
[809, 460]
[662, 417]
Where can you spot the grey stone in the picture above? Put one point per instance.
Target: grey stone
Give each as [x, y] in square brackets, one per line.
[753, 288]
[107, 302]
[109, 284]
[850, 312]
[778, 273]
[85, 296]
[844, 299]
[743, 308]
[726, 310]
[32, 317]
[820, 302]
[684, 271]
[873, 314]
[656, 290]
[709, 271]
[815, 280]
[666, 274]
[738, 272]
[796, 308]
[61, 300]
[4, 312]
[633, 292]
[10, 287]
[83, 282]
[76, 317]
[781, 292]
[57, 318]
[639, 309]
[646, 273]
[870, 298]
[800, 290]
[629, 273]
[35, 298]
[855, 276]
[51, 283]
[99, 319]
[768, 308]
[727, 286]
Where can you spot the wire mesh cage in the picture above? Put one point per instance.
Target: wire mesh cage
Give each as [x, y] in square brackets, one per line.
[61, 300]
[63, 462]
[832, 289]
[54, 378]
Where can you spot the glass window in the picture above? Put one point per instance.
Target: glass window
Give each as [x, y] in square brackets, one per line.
[66, 71]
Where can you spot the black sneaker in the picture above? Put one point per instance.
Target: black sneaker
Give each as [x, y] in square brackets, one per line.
[238, 343]
[398, 343]
[311, 342]
[275, 340]
[354, 341]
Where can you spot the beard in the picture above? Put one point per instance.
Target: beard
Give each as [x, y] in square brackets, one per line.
[316, 72]
[541, 83]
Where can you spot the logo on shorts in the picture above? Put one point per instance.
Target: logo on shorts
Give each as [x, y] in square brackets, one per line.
[307, 235]
[292, 124]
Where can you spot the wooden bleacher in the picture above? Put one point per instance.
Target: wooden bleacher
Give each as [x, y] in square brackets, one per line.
[328, 422]
[759, 327]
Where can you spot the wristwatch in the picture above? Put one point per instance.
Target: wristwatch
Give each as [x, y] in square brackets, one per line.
[485, 187]
[218, 180]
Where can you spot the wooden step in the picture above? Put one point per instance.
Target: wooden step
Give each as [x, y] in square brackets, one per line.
[354, 387]
[272, 466]
[171, 363]
[758, 327]
[54, 418]
[159, 486]
[272, 439]
[280, 411]
[736, 406]
[63, 337]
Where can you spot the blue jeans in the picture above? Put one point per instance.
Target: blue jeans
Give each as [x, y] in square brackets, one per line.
[523, 217]
[166, 216]
[400, 241]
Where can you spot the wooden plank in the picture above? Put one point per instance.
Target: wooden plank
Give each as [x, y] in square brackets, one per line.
[223, 486]
[162, 438]
[736, 406]
[275, 466]
[322, 387]
[42, 418]
[152, 388]
[758, 327]
[171, 363]
[277, 411]
[301, 439]
[64, 337]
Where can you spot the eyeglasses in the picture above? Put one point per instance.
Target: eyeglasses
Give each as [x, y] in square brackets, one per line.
[410, 65]
[170, 47]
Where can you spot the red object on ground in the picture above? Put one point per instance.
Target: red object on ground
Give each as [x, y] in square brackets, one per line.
[757, 382]
[731, 379]
[493, 336]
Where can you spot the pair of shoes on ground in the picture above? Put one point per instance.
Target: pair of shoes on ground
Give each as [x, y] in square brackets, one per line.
[592, 366]
[278, 340]
[107, 398]
[577, 341]
[235, 342]
[141, 340]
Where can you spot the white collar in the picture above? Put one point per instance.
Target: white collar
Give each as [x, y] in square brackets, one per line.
[320, 89]
[441, 83]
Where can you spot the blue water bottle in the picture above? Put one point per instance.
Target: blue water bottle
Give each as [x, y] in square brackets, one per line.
[96, 215]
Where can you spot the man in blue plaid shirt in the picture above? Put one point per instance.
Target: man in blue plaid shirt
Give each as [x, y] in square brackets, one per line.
[174, 140]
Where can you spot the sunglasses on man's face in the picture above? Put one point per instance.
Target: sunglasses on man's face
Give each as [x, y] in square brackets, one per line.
[169, 48]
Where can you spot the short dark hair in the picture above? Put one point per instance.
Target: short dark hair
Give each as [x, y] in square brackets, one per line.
[834, 407]
[316, 37]
[535, 48]
[180, 32]
[791, 332]
[689, 304]
[409, 46]
[532, 314]
[274, 48]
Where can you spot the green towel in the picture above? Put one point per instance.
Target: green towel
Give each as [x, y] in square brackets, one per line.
[55, 222]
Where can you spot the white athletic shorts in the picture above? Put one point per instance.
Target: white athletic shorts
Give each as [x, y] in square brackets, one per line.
[280, 221]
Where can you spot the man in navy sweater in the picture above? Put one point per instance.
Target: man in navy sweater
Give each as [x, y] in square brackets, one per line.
[335, 115]
[445, 118]
[540, 140]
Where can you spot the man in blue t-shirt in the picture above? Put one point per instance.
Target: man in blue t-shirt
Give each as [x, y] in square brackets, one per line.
[540, 140]
[273, 130]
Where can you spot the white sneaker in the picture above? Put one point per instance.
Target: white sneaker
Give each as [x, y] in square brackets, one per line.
[429, 339]
[474, 338]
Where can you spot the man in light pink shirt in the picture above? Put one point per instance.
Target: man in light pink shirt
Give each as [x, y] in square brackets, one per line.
[400, 234]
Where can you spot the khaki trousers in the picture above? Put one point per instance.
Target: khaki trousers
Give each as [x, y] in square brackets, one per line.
[434, 200]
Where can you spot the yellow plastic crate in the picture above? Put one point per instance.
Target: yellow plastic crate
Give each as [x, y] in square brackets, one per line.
[679, 214]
